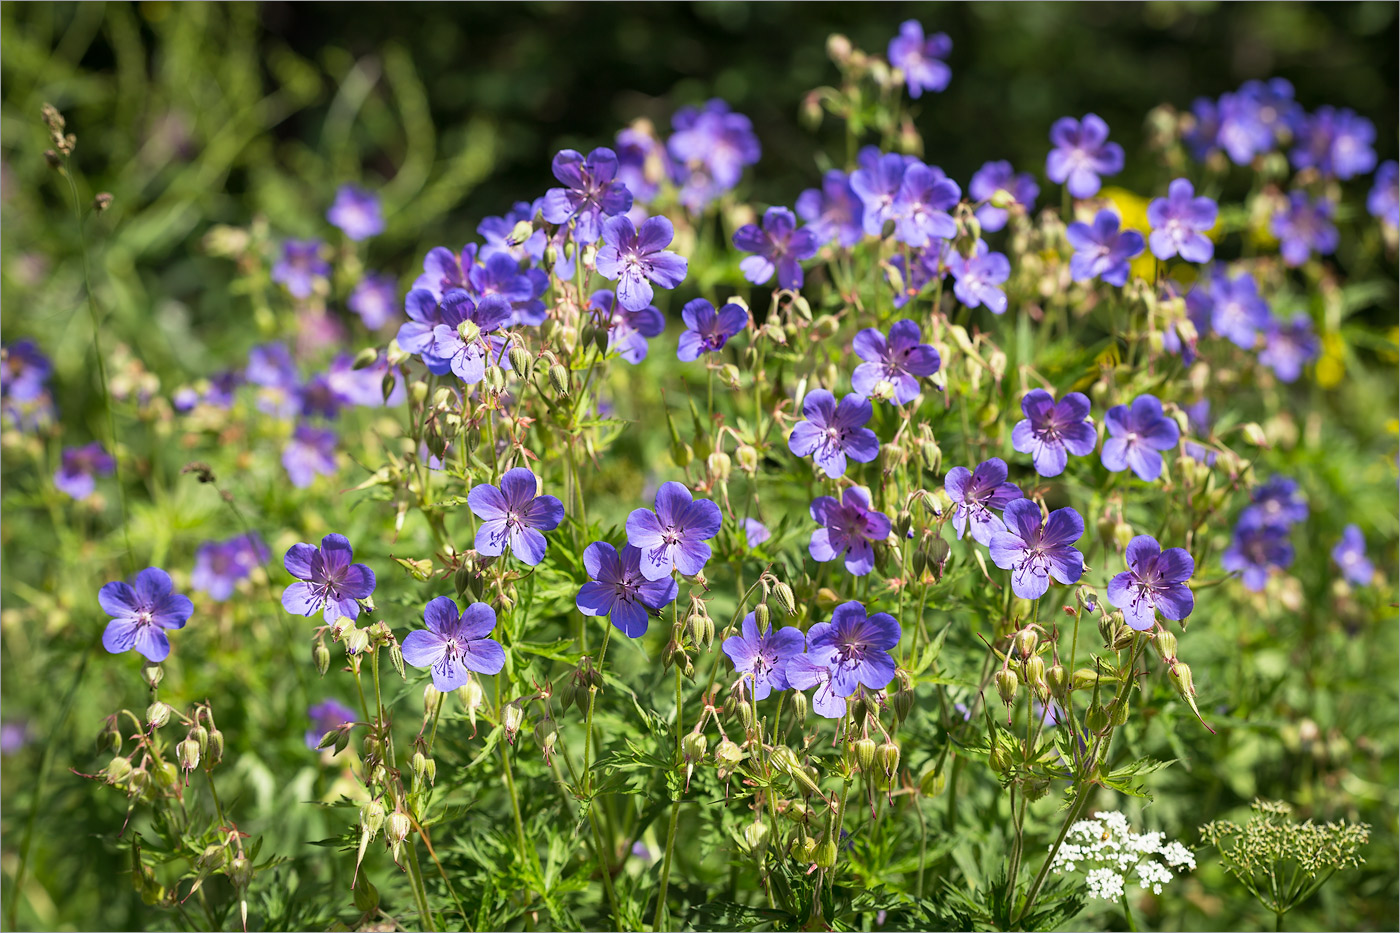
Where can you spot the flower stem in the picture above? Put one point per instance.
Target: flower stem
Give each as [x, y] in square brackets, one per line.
[675, 817]
[420, 894]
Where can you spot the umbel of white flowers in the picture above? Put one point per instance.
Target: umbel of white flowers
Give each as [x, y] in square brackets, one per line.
[1108, 852]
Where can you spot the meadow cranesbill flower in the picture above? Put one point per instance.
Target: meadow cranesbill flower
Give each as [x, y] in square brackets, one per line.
[1035, 552]
[762, 657]
[514, 516]
[1336, 142]
[374, 300]
[635, 259]
[1052, 430]
[617, 589]
[710, 147]
[464, 338]
[454, 645]
[365, 386]
[444, 270]
[1202, 132]
[673, 536]
[877, 184]
[1198, 419]
[755, 532]
[833, 432]
[1383, 201]
[628, 331]
[270, 367]
[921, 59]
[356, 212]
[80, 466]
[1289, 346]
[141, 613]
[1155, 581]
[921, 207]
[779, 246]
[833, 212]
[849, 529]
[901, 361]
[1082, 153]
[1137, 435]
[501, 275]
[1254, 550]
[803, 671]
[708, 330]
[1304, 227]
[590, 192]
[977, 496]
[641, 161]
[976, 278]
[301, 267]
[309, 453]
[14, 736]
[1179, 223]
[1017, 189]
[1350, 555]
[328, 580]
[24, 371]
[326, 716]
[1278, 503]
[855, 647]
[498, 233]
[1101, 250]
[1237, 311]
[416, 334]
[219, 565]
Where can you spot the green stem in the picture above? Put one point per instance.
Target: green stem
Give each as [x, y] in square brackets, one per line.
[420, 893]
[675, 817]
[1128, 912]
[588, 719]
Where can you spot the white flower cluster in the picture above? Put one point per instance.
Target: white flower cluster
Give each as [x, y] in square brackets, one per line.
[1108, 850]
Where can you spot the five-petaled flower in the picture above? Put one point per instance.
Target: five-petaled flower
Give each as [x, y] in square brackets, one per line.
[976, 278]
[617, 589]
[920, 58]
[79, 468]
[833, 432]
[1179, 223]
[849, 529]
[779, 245]
[1102, 250]
[762, 657]
[628, 331]
[464, 338]
[1035, 552]
[636, 259]
[1350, 555]
[141, 613]
[1155, 581]
[673, 536]
[1016, 188]
[327, 580]
[1254, 550]
[1051, 430]
[301, 267]
[514, 516]
[708, 330]
[1138, 434]
[454, 645]
[901, 361]
[1082, 153]
[590, 191]
[1304, 227]
[855, 647]
[356, 212]
[977, 496]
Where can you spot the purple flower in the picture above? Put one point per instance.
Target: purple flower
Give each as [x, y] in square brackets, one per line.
[1018, 189]
[1102, 250]
[356, 212]
[301, 267]
[24, 371]
[1082, 153]
[219, 565]
[326, 716]
[514, 516]
[1155, 581]
[901, 361]
[978, 276]
[309, 453]
[80, 466]
[834, 432]
[453, 645]
[1137, 435]
[627, 330]
[374, 300]
[590, 191]
[921, 59]
[1304, 227]
[1034, 552]
[1202, 135]
[499, 231]
[710, 148]
[674, 535]
[14, 736]
[1336, 142]
[464, 337]
[636, 259]
[707, 331]
[1278, 503]
[834, 212]
[1236, 309]
[416, 334]
[1198, 418]
[804, 671]
[141, 612]
[500, 275]
[848, 529]
[977, 496]
[922, 205]
[1179, 223]
[617, 589]
[1254, 550]
[778, 246]
[762, 657]
[1241, 132]
[855, 647]
[1383, 202]
[755, 532]
[1287, 347]
[365, 386]
[327, 580]
[1350, 556]
[270, 367]
[444, 270]
[877, 183]
[1051, 430]
[641, 161]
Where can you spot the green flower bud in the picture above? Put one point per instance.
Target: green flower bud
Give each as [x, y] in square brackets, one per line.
[826, 854]
[559, 379]
[397, 826]
[1007, 684]
[167, 775]
[999, 759]
[1096, 719]
[747, 458]
[903, 522]
[800, 707]
[152, 673]
[756, 838]
[372, 817]
[158, 714]
[931, 454]
[321, 657]
[117, 770]
[888, 756]
[681, 454]
[365, 358]
[1123, 535]
[187, 753]
[762, 616]
[865, 750]
[693, 746]
[1025, 642]
[1057, 677]
[364, 894]
[216, 747]
[785, 598]
[1165, 643]
[1034, 670]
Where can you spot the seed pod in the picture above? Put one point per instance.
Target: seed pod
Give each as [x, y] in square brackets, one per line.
[1007, 684]
[747, 458]
[693, 746]
[1165, 643]
[785, 598]
[1025, 642]
[1180, 676]
[719, 466]
[999, 759]
[727, 754]
[117, 770]
[756, 838]
[372, 817]
[321, 657]
[512, 718]
[397, 826]
[1033, 668]
[158, 714]
[888, 756]
[152, 673]
[187, 753]
[865, 749]
[520, 360]
[681, 454]
[364, 894]
[240, 871]
[559, 379]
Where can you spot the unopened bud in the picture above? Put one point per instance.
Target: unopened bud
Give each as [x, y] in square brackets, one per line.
[1254, 434]
[888, 756]
[1007, 683]
[1034, 670]
[1057, 678]
[785, 598]
[762, 616]
[512, 718]
[756, 838]
[397, 826]
[365, 358]
[216, 747]
[152, 673]
[864, 750]
[826, 854]
[1025, 641]
[747, 458]
[559, 379]
[187, 753]
[1165, 643]
[520, 360]
[356, 641]
[321, 657]
[158, 714]
[800, 707]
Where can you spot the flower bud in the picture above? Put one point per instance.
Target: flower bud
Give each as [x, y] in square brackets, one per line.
[1123, 535]
[826, 854]
[888, 756]
[719, 465]
[1007, 683]
[356, 641]
[559, 379]
[681, 454]
[800, 707]
[240, 871]
[785, 598]
[747, 458]
[187, 753]
[1034, 670]
[167, 775]
[152, 673]
[1057, 678]
[372, 817]
[756, 838]
[1165, 643]
[1254, 434]
[902, 699]
[903, 523]
[1180, 676]
[1087, 597]
[321, 657]
[762, 616]
[158, 714]
[783, 759]
[1025, 642]
[999, 759]
[864, 749]
[117, 770]
[1096, 719]
[931, 454]
[215, 752]
[397, 826]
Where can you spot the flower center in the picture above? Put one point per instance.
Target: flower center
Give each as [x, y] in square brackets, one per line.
[144, 617]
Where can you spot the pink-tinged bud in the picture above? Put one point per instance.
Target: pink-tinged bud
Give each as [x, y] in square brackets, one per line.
[397, 826]
[187, 752]
[1025, 642]
[158, 714]
[1007, 684]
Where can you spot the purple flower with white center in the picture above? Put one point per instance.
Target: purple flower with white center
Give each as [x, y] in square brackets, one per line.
[1102, 250]
[1254, 551]
[309, 453]
[1383, 202]
[1237, 311]
[779, 246]
[514, 516]
[1019, 189]
[416, 334]
[921, 59]
[356, 212]
[833, 212]
[301, 267]
[877, 185]
[635, 259]
[219, 565]
[628, 331]
[617, 589]
[1052, 430]
[464, 338]
[453, 645]
[590, 191]
[1179, 223]
[1138, 434]
[80, 466]
[901, 361]
[1082, 153]
[833, 432]
[707, 330]
[710, 148]
[499, 232]
[849, 528]
[1241, 132]
[24, 371]
[762, 657]
[804, 672]
[327, 580]
[755, 532]
[1035, 552]
[142, 611]
[1289, 346]
[855, 647]
[1350, 555]
[1155, 581]
[976, 278]
[921, 207]
[1338, 143]
[1304, 227]
[977, 496]
[374, 300]
[326, 716]
[673, 536]
[444, 270]
[1278, 503]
